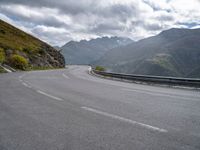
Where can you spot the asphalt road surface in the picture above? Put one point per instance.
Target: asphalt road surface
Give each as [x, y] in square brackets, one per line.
[69, 109]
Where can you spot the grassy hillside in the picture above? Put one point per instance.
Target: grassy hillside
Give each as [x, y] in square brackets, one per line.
[37, 53]
[175, 52]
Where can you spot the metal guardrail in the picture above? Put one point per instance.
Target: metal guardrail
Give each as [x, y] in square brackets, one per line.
[152, 79]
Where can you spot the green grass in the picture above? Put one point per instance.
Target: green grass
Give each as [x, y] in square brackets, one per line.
[164, 61]
[15, 39]
[99, 68]
[19, 62]
[14, 42]
[16, 46]
[2, 55]
[35, 68]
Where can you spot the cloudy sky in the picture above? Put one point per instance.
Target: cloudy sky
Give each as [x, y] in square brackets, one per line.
[58, 21]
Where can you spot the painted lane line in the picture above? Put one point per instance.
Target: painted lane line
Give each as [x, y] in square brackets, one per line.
[48, 95]
[26, 85]
[65, 76]
[125, 119]
[20, 77]
[8, 70]
[160, 94]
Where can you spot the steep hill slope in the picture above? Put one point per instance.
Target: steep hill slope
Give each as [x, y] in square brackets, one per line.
[175, 52]
[14, 42]
[85, 52]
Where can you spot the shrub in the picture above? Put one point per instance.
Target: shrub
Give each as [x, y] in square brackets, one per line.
[99, 68]
[2, 55]
[19, 62]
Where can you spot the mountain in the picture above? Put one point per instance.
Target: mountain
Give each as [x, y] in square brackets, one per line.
[57, 48]
[174, 52]
[18, 47]
[85, 52]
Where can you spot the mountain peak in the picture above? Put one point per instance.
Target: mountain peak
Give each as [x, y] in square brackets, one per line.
[85, 52]
[179, 32]
[174, 52]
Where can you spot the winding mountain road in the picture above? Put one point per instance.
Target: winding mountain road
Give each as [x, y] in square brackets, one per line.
[69, 109]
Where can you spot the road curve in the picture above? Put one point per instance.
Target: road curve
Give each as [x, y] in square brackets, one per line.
[69, 109]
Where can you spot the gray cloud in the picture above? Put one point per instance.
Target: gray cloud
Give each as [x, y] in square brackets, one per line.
[165, 17]
[58, 21]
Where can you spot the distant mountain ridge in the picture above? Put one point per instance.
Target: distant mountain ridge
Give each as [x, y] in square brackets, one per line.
[14, 41]
[86, 52]
[174, 52]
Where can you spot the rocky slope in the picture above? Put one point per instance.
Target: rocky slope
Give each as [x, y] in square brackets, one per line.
[37, 53]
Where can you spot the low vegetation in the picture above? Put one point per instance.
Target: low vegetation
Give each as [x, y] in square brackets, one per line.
[39, 68]
[19, 62]
[2, 55]
[15, 39]
[21, 50]
[166, 62]
[100, 68]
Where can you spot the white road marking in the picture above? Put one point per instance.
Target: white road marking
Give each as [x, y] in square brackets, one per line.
[124, 119]
[8, 70]
[25, 84]
[160, 94]
[48, 95]
[64, 75]
[20, 77]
